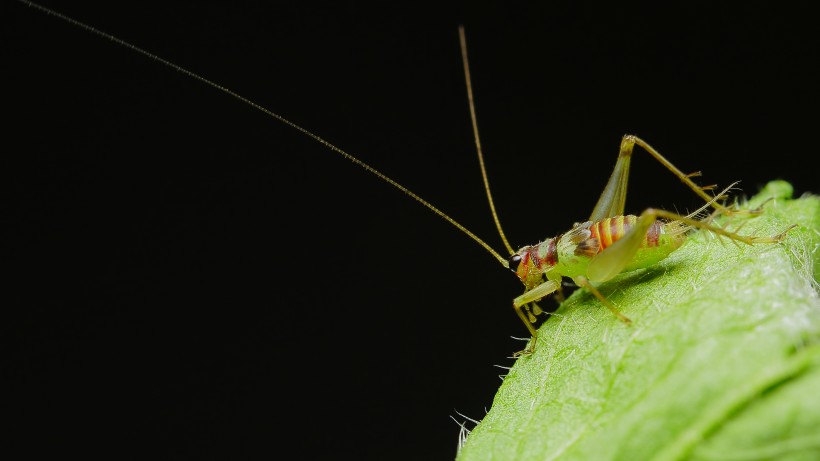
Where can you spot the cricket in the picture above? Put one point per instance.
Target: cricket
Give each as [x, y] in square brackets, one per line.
[607, 244]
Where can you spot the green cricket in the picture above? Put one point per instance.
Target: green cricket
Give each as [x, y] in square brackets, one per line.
[595, 251]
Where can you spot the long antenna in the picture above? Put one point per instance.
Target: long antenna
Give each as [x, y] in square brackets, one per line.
[463, 40]
[274, 115]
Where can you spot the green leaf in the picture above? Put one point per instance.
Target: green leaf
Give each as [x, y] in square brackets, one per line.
[722, 361]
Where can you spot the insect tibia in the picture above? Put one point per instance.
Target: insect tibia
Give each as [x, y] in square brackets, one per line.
[583, 282]
[722, 196]
[737, 211]
[719, 231]
[613, 198]
[775, 238]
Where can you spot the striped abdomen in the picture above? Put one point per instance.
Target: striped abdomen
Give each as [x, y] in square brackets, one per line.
[608, 231]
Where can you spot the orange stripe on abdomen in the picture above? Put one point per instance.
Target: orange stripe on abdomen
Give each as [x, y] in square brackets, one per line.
[610, 230]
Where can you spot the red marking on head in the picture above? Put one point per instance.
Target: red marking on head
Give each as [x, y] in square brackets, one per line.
[523, 266]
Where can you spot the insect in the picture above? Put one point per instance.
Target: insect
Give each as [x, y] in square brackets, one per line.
[607, 244]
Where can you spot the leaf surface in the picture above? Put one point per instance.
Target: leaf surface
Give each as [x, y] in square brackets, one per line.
[722, 361]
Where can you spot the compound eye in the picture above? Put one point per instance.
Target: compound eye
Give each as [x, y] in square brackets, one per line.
[514, 261]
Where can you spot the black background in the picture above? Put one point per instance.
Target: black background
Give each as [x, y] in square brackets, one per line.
[191, 278]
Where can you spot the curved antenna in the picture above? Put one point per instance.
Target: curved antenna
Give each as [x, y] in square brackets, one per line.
[274, 115]
[463, 40]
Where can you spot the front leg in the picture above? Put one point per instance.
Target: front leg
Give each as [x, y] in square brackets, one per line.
[531, 296]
